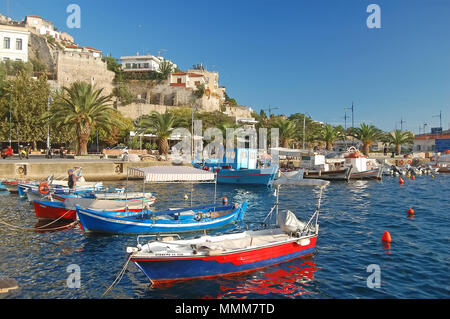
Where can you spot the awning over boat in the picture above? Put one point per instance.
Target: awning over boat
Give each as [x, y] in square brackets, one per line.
[300, 182]
[289, 152]
[172, 174]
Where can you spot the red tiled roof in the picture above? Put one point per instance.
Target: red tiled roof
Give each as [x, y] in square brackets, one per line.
[178, 84]
[33, 16]
[195, 75]
[432, 136]
[71, 46]
[179, 73]
[89, 48]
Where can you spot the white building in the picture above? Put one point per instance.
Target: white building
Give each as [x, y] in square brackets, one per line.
[42, 26]
[142, 63]
[14, 43]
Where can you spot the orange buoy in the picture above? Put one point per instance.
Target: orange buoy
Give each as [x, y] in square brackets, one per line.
[401, 181]
[410, 211]
[386, 237]
[225, 200]
[413, 177]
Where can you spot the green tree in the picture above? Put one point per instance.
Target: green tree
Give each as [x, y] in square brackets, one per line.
[287, 130]
[82, 108]
[399, 138]
[165, 69]
[161, 125]
[27, 98]
[330, 134]
[367, 134]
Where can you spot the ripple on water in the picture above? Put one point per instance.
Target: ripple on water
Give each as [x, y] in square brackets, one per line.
[352, 220]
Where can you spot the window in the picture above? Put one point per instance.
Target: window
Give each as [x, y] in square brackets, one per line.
[5, 59]
[6, 43]
[128, 66]
[135, 66]
[19, 44]
[146, 65]
[179, 81]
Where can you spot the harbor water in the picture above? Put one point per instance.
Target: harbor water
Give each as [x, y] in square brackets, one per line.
[352, 220]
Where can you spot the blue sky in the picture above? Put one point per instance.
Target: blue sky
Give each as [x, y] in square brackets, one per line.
[314, 57]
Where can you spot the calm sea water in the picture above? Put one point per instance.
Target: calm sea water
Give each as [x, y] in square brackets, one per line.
[352, 221]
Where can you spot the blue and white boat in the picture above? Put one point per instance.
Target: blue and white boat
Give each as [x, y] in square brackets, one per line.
[168, 221]
[240, 166]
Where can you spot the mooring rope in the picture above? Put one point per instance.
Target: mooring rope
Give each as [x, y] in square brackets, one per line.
[118, 278]
[41, 227]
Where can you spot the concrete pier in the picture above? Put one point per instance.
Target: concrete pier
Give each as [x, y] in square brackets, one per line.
[93, 170]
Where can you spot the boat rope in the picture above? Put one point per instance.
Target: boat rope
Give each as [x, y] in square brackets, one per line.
[55, 221]
[44, 226]
[118, 278]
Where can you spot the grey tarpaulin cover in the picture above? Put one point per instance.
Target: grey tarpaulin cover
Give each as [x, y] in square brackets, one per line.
[288, 222]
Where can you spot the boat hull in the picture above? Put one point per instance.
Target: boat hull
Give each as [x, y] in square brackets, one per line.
[104, 222]
[261, 176]
[53, 210]
[168, 269]
[340, 175]
[56, 210]
[370, 174]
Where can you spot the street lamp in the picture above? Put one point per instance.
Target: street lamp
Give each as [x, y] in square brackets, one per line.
[10, 123]
[50, 99]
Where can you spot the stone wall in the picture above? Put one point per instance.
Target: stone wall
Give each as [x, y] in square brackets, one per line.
[238, 112]
[72, 67]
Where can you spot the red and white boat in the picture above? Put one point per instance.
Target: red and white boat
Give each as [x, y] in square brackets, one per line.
[67, 210]
[361, 167]
[168, 258]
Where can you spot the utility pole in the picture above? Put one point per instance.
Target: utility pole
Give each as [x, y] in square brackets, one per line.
[10, 115]
[401, 123]
[304, 130]
[7, 9]
[270, 110]
[353, 115]
[50, 99]
[440, 118]
[345, 128]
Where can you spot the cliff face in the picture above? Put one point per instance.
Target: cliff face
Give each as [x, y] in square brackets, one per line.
[40, 50]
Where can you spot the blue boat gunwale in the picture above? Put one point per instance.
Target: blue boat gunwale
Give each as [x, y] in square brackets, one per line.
[139, 217]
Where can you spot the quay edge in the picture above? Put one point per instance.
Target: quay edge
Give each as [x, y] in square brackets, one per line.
[99, 170]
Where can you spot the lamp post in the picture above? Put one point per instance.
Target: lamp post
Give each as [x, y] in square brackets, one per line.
[50, 99]
[10, 115]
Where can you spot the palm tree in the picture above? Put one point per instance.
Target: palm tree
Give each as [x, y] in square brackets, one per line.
[161, 125]
[367, 134]
[329, 134]
[80, 108]
[287, 130]
[399, 138]
[165, 68]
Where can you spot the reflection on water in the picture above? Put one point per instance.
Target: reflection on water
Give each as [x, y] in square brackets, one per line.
[290, 280]
[353, 217]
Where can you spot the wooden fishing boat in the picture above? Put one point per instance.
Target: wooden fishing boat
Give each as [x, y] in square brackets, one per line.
[240, 166]
[334, 175]
[67, 210]
[168, 258]
[150, 222]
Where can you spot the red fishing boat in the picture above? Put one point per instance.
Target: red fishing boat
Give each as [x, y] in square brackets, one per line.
[169, 259]
[67, 210]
